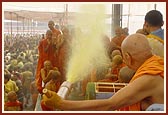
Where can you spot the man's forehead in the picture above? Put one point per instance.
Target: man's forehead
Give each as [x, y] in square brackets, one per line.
[47, 63]
[50, 23]
[49, 32]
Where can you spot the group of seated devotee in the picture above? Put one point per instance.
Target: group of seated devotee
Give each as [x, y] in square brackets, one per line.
[20, 60]
[21, 56]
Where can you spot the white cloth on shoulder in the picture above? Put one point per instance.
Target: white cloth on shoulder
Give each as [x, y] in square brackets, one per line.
[156, 107]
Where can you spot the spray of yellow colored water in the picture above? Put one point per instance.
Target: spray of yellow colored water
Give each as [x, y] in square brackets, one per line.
[88, 50]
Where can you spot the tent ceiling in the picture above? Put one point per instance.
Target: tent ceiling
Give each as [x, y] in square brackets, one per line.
[36, 16]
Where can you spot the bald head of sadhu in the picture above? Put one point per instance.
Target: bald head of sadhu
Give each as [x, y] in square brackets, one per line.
[125, 74]
[118, 31]
[115, 52]
[49, 34]
[135, 50]
[47, 65]
[117, 60]
[55, 75]
[51, 24]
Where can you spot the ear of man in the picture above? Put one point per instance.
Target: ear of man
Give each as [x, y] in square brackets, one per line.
[128, 57]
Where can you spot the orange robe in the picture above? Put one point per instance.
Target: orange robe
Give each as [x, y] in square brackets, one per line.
[46, 108]
[61, 56]
[118, 40]
[14, 106]
[62, 59]
[47, 55]
[54, 58]
[56, 32]
[152, 66]
[43, 56]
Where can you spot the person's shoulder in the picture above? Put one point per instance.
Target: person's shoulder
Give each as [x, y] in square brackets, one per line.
[148, 80]
[43, 40]
[56, 31]
[7, 103]
[113, 39]
[123, 36]
[11, 82]
[18, 102]
[42, 70]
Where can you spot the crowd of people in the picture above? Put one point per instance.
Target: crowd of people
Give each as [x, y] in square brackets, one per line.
[32, 64]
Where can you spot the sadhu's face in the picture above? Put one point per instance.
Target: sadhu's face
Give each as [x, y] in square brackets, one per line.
[51, 25]
[126, 57]
[49, 35]
[118, 31]
[47, 65]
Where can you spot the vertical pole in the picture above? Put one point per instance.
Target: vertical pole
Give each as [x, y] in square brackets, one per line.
[17, 24]
[66, 15]
[28, 25]
[155, 6]
[23, 25]
[116, 17]
[11, 23]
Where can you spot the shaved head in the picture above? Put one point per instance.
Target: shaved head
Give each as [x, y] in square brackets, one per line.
[47, 62]
[135, 49]
[117, 59]
[51, 22]
[55, 75]
[115, 52]
[49, 32]
[126, 74]
[135, 43]
[118, 31]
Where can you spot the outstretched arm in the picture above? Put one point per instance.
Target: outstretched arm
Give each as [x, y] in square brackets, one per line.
[131, 94]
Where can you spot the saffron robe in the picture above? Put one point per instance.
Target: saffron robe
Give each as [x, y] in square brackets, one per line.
[152, 66]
